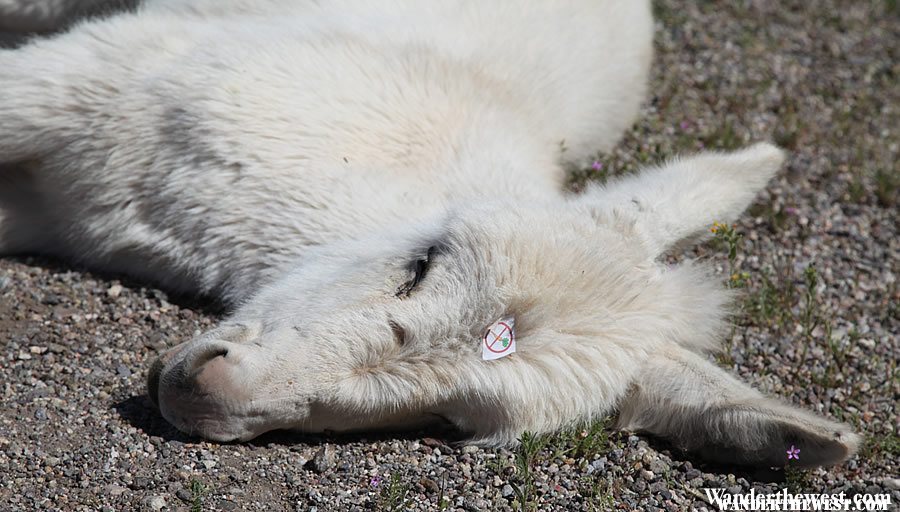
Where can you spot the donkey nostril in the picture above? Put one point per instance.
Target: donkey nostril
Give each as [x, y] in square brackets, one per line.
[208, 356]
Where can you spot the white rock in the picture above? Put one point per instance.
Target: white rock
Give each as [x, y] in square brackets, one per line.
[156, 503]
[114, 290]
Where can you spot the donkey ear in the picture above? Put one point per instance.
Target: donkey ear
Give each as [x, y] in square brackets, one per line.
[681, 396]
[682, 199]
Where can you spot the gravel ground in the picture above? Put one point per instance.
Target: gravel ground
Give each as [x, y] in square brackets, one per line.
[819, 77]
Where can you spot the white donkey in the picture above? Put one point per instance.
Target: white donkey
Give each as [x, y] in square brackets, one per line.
[373, 187]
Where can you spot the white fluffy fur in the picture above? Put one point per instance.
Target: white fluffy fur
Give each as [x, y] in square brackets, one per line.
[295, 158]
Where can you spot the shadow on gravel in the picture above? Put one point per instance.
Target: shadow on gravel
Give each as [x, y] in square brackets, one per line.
[752, 474]
[440, 436]
[139, 412]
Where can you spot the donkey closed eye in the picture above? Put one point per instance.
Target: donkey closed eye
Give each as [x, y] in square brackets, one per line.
[420, 268]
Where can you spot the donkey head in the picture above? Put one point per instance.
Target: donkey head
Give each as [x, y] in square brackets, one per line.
[389, 332]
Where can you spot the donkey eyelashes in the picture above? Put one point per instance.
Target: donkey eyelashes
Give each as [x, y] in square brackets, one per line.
[420, 269]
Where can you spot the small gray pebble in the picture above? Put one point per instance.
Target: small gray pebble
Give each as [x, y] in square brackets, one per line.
[51, 299]
[184, 495]
[323, 460]
[115, 490]
[658, 466]
[226, 505]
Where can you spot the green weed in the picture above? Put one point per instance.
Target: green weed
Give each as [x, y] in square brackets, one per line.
[811, 315]
[881, 446]
[796, 480]
[582, 442]
[197, 493]
[727, 236]
[771, 304]
[856, 191]
[597, 493]
[392, 497]
[443, 501]
[887, 184]
[530, 445]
